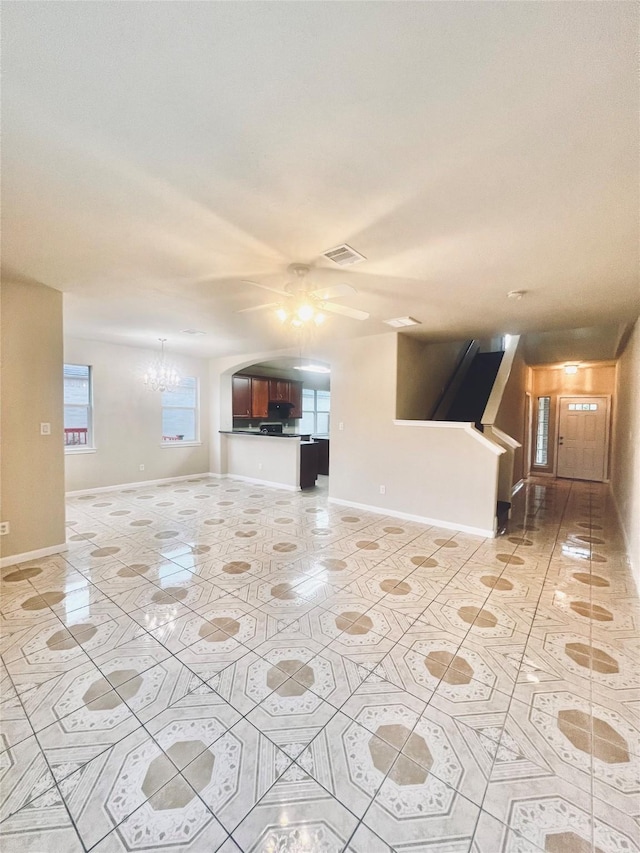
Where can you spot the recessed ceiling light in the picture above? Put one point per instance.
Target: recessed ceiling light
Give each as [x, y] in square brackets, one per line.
[192, 332]
[570, 369]
[397, 322]
[516, 294]
[312, 368]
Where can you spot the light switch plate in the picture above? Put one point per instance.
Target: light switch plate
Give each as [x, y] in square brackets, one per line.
[45, 429]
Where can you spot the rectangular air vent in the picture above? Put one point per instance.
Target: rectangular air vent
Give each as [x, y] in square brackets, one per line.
[344, 255]
[397, 322]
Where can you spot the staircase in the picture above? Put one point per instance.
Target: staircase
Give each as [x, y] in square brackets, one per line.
[470, 401]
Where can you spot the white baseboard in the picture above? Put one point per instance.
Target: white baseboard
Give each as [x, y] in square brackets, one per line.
[421, 519]
[141, 484]
[241, 478]
[32, 555]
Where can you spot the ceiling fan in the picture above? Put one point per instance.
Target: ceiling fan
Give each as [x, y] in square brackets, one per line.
[301, 304]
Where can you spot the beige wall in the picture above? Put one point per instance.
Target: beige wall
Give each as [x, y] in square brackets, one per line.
[128, 419]
[423, 370]
[595, 379]
[428, 472]
[625, 473]
[32, 466]
[439, 473]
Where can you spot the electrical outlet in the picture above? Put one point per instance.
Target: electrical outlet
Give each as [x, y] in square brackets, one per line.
[341, 425]
[383, 489]
[45, 429]
[4, 528]
[142, 467]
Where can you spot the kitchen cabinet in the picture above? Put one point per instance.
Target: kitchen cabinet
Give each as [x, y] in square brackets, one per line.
[279, 390]
[308, 464]
[252, 395]
[323, 455]
[295, 397]
[259, 397]
[241, 396]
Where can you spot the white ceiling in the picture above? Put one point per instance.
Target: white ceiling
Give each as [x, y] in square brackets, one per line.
[154, 153]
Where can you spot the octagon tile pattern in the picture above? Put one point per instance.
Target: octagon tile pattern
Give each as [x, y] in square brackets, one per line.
[218, 666]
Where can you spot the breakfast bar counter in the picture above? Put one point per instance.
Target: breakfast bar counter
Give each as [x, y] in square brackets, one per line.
[262, 458]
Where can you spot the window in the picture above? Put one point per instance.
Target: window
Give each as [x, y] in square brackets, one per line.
[78, 427]
[542, 431]
[583, 407]
[180, 412]
[315, 411]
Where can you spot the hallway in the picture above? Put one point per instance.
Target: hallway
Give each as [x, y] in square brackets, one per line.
[222, 666]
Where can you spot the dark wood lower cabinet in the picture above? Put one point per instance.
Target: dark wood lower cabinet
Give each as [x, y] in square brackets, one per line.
[323, 455]
[308, 464]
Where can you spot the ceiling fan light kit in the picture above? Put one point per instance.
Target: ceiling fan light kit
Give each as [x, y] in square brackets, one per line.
[304, 308]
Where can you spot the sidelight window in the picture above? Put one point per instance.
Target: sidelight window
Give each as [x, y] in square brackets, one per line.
[542, 431]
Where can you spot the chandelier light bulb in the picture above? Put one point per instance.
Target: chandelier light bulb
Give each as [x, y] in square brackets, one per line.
[160, 375]
[319, 319]
[281, 314]
[305, 312]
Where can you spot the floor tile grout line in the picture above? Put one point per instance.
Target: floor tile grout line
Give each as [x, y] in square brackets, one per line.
[457, 572]
[55, 783]
[565, 505]
[510, 829]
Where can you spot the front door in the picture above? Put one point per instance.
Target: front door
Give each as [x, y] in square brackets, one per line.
[582, 438]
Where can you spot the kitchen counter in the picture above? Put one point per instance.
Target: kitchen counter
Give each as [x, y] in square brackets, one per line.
[303, 435]
[287, 464]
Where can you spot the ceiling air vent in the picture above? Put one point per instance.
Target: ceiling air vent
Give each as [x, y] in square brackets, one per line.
[398, 322]
[344, 256]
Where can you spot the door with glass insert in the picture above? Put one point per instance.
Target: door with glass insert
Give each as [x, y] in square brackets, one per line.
[582, 438]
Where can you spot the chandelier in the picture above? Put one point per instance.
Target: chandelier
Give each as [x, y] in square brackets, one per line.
[304, 313]
[161, 375]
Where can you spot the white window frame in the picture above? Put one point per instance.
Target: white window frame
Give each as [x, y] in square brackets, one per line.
[196, 409]
[542, 434]
[315, 408]
[89, 447]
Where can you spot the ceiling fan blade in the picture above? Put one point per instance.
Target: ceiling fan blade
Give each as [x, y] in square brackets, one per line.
[258, 308]
[334, 291]
[353, 313]
[265, 287]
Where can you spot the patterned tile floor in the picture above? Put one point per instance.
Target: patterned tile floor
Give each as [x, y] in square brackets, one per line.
[216, 666]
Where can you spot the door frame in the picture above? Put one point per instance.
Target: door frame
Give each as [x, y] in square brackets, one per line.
[528, 434]
[607, 433]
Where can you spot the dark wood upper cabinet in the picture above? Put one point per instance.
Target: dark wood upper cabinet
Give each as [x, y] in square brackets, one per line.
[279, 390]
[295, 397]
[252, 394]
[259, 397]
[241, 396]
